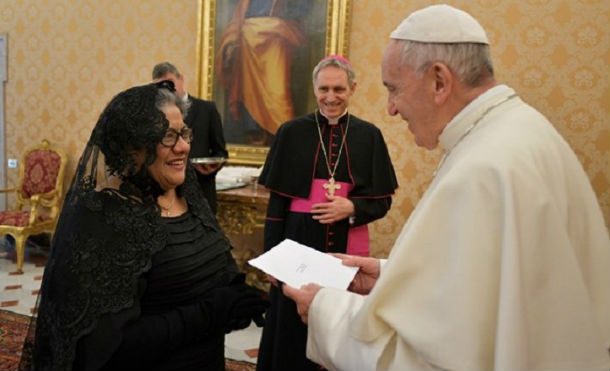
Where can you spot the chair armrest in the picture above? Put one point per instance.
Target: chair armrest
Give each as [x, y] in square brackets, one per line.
[45, 196]
[48, 199]
[34, 209]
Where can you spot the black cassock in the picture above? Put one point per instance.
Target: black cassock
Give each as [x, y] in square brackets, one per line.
[294, 160]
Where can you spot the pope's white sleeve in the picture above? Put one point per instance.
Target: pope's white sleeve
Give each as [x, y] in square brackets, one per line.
[382, 264]
[329, 342]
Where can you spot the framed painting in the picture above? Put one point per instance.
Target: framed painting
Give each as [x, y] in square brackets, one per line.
[255, 59]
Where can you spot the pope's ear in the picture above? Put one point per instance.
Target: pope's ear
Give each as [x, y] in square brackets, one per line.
[443, 82]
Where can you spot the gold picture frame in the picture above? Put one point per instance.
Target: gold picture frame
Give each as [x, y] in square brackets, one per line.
[322, 22]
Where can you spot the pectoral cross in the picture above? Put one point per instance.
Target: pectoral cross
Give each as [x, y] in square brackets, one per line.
[331, 186]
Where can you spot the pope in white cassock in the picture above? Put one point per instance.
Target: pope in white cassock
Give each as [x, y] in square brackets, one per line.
[505, 262]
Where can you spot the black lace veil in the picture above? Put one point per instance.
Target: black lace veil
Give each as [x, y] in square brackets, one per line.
[106, 234]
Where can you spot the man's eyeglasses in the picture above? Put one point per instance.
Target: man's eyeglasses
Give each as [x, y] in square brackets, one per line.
[171, 136]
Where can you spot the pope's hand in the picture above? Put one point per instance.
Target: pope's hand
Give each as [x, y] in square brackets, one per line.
[302, 297]
[367, 274]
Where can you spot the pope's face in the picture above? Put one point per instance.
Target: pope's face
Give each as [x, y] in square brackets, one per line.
[408, 96]
[333, 91]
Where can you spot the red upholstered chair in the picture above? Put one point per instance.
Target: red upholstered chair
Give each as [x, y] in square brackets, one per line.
[39, 195]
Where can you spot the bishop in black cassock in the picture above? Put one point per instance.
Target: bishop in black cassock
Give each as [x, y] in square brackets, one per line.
[295, 162]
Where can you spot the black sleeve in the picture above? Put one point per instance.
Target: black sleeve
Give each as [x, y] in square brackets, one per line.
[128, 340]
[218, 147]
[216, 141]
[150, 337]
[274, 222]
[158, 335]
[370, 209]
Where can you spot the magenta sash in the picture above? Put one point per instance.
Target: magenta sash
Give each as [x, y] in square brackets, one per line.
[357, 237]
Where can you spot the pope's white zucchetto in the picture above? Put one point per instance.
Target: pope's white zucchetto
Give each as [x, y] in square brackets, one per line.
[440, 24]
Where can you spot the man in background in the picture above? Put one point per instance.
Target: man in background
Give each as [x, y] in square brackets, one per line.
[505, 261]
[208, 138]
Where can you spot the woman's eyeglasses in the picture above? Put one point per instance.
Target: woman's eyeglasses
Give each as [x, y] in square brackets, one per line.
[171, 136]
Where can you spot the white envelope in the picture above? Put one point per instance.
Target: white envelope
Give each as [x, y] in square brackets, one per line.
[297, 265]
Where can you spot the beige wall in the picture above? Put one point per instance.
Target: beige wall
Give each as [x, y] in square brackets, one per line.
[68, 58]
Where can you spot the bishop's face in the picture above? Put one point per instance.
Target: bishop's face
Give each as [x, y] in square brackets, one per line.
[333, 91]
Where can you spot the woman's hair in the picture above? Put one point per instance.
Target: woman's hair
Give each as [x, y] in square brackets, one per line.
[165, 97]
[337, 61]
[470, 62]
[133, 121]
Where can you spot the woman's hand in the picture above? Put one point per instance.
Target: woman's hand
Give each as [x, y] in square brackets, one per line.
[233, 307]
[272, 280]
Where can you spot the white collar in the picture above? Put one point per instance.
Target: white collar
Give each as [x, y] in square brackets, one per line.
[333, 121]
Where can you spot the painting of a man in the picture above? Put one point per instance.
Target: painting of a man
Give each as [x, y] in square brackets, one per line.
[257, 63]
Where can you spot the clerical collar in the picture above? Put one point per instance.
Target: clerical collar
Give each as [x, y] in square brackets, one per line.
[335, 121]
[185, 98]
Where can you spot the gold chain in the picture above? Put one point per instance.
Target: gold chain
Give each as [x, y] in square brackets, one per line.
[168, 208]
[331, 174]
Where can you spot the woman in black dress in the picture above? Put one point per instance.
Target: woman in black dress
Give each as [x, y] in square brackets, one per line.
[140, 275]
